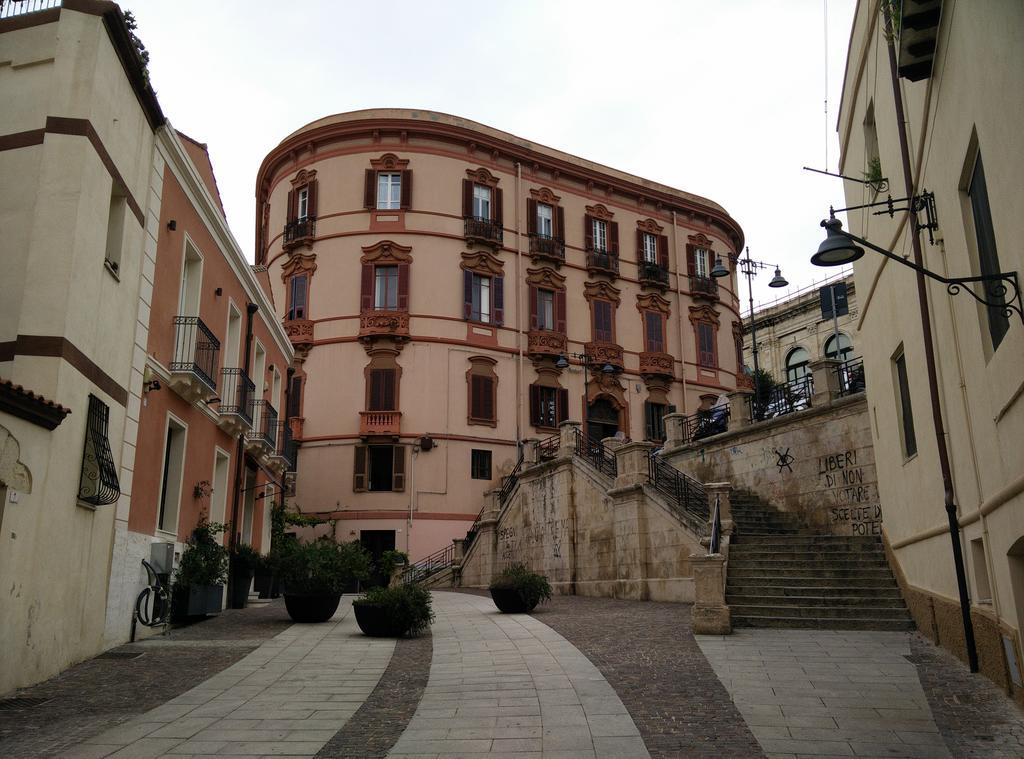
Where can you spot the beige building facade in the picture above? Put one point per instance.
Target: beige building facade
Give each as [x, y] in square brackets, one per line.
[958, 70]
[452, 290]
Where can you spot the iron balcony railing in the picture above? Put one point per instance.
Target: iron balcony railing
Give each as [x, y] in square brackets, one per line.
[300, 229]
[850, 375]
[548, 447]
[195, 349]
[651, 272]
[97, 482]
[544, 245]
[264, 424]
[705, 423]
[603, 260]
[509, 482]
[704, 285]
[685, 495]
[9, 8]
[479, 228]
[431, 565]
[596, 453]
[238, 393]
[781, 399]
[281, 434]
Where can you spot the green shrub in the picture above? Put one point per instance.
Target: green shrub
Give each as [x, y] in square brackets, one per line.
[407, 607]
[389, 560]
[532, 588]
[204, 560]
[246, 556]
[320, 567]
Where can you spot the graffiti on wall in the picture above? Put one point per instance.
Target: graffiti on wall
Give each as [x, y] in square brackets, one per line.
[518, 542]
[854, 501]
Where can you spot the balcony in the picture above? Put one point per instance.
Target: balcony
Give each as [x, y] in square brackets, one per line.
[652, 275]
[300, 332]
[194, 363]
[282, 457]
[544, 342]
[602, 262]
[546, 248]
[602, 353]
[299, 232]
[656, 365]
[262, 438]
[381, 323]
[483, 230]
[379, 423]
[238, 394]
[703, 287]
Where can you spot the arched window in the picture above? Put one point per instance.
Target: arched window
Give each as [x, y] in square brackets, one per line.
[845, 347]
[796, 364]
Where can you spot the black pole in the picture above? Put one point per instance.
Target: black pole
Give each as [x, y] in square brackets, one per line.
[748, 270]
[929, 355]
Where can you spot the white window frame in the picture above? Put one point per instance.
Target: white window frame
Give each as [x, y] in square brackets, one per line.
[303, 204]
[389, 191]
[482, 201]
[380, 296]
[480, 308]
[650, 248]
[545, 309]
[545, 220]
[700, 262]
[174, 488]
[600, 236]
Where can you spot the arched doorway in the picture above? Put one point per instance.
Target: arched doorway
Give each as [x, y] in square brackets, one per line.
[602, 419]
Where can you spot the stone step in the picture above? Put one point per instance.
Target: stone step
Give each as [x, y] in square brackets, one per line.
[750, 552]
[823, 623]
[837, 599]
[819, 612]
[808, 562]
[802, 542]
[794, 573]
[785, 590]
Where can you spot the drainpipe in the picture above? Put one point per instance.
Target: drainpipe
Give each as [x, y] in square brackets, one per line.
[519, 308]
[679, 310]
[929, 355]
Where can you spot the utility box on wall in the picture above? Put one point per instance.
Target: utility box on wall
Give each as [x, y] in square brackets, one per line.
[161, 556]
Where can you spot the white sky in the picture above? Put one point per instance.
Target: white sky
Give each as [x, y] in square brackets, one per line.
[723, 99]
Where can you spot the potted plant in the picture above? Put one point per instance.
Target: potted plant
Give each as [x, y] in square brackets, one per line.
[517, 590]
[393, 612]
[390, 561]
[242, 566]
[314, 575]
[201, 573]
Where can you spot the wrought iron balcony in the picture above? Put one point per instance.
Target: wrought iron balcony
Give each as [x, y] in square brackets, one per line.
[382, 323]
[300, 231]
[705, 423]
[479, 229]
[704, 287]
[238, 394]
[380, 422]
[545, 342]
[656, 364]
[282, 456]
[851, 377]
[651, 274]
[602, 262]
[782, 399]
[263, 435]
[546, 247]
[194, 363]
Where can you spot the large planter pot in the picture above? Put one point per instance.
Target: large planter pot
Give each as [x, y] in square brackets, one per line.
[311, 608]
[265, 583]
[374, 621]
[241, 580]
[509, 601]
[197, 601]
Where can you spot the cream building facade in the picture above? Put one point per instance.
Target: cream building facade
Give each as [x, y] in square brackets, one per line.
[452, 289]
[959, 71]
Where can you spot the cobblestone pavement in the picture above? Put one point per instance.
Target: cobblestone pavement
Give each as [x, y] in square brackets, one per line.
[101, 693]
[975, 717]
[507, 685]
[649, 656]
[287, 697]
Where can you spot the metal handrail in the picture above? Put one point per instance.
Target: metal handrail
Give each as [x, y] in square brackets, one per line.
[705, 423]
[714, 545]
[431, 565]
[548, 447]
[704, 285]
[195, 349]
[300, 229]
[509, 481]
[595, 452]
[850, 376]
[238, 393]
[264, 426]
[546, 245]
[685, 494]
[653, 272]
[602, 259]
[782, 399]
[480, 228]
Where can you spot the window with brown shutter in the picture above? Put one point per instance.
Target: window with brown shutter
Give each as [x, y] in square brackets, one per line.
[549, 406]
[298, 289]
[654, 331]
[560, 311]
[707, 353]
[381, 396]
[482, 386]
[359, 473]
[398, 471]
[387, 185]
[295, 397]
[604, 330]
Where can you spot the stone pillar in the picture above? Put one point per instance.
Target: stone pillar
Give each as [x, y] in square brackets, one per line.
[567, 438]
[487, 536]
[739, 409]
[458, 550]
[722, 491]
[824, 374]
[531, 451]
[630, 542]
[674, 430]
[710, 614]
[631, 461]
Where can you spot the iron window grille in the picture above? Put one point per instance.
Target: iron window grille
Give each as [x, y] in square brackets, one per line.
[98, 483]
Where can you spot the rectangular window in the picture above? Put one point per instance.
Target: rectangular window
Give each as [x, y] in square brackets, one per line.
[379, 468]
[389, 191]
[97, 483]
[700, 262]
[654, 421]
[481, 398]
[303, 203]
[295, 397]
[548, 406]
[481, 304]
[988, 258]
[382, 390]
[545, 225]
[903, 405]
[603, 330]
[654, 331]
[386, 288]
[545, 309]
[480, 468]
[600, 235]
[706, 345]
[297, 296]
[115, 229]
[170, 487]
[650, 248]
[481, 201]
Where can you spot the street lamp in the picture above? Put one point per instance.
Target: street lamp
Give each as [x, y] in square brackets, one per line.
[749, 267]
[587, 360]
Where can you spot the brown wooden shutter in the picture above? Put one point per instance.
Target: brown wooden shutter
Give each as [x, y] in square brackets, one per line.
[498, 207]
[613, 237]
[291, 206]
[561, 405]
[406, 189]
[474, 396]
[467, 294]
[560, 311]
[467, 198]
[370, 189]
[403, 287]
[649, 421]
[588, 232]
[366, 289]
[691, 266]
[373, 402]
[535, 405]
[484, 397]
[398, 469]
[531, 216]
[498, 294]
[640, 246]
[295, 398]
[663, 252]
[311, 199]
[359, 469]
[533, 307]
[558, 230]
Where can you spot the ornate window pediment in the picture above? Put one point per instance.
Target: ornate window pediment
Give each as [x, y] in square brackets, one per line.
[298, 264]
[650, 225]
[600, 212]
[601, 290]
[482, 262]
[653, 302]
[482, 176]
[703, 314]
[386, 251]
[389, 162]
[545, 277]
[700, 240]
[544, 195]
[304, 177]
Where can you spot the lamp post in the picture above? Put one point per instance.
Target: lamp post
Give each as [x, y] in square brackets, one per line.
[749, 268]
[1001, 291]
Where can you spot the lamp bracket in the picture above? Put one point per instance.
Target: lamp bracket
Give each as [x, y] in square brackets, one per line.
[996, 287]
[878, 185]
[914, 204]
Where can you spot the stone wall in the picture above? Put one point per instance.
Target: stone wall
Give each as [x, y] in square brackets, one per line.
[819, 463]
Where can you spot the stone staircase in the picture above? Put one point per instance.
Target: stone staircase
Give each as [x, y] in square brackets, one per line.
[781, 574]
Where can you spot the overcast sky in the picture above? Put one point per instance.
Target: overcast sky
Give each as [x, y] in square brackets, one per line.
[723, 99]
